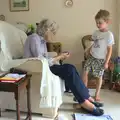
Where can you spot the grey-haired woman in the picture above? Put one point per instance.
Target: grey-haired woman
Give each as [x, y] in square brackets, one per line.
[35, 46]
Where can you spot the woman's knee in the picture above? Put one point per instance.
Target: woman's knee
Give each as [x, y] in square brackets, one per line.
[69, 67]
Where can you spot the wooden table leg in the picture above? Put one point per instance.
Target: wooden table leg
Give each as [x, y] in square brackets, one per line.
[0, 112]
[28, 100]
[17, 105]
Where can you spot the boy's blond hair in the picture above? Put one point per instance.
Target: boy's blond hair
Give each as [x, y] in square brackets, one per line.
[102, 14]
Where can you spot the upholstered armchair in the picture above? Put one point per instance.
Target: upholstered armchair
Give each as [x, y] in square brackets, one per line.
[12, 42]
[54, 47]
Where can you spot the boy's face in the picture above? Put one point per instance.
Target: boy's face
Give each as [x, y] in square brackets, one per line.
[102, 24]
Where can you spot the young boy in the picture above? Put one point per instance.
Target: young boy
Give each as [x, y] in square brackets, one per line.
[100, 52]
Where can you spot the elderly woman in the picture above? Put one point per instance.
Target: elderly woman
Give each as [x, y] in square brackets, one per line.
[35, 46]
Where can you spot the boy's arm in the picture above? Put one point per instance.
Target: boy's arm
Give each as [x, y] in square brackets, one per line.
[108, 56]
[109, 49]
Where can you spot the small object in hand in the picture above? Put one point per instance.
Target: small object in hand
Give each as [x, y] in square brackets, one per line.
[66, 52]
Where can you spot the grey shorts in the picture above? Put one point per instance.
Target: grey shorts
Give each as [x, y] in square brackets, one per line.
[95, 66]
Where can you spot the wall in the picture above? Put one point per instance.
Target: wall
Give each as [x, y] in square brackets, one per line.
[74, 22]
[118, 26]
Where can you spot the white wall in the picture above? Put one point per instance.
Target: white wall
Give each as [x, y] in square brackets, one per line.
[118, 26]
[74, 22]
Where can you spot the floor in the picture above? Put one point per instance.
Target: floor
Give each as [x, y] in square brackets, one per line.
[111, 106]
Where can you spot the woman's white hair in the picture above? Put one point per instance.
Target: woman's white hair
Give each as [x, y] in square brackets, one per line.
[46, 25]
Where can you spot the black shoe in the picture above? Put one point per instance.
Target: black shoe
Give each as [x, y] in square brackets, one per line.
[68, 91]
[95, 112]
[74, 99]
[97, 104]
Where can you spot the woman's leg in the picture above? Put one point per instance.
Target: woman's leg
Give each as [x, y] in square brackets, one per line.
[70, 75]
[66, 87]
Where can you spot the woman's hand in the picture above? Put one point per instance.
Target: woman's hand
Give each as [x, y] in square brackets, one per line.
[65, 55]
[62, 56]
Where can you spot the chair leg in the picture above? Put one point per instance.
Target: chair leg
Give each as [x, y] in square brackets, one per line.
[0, 112]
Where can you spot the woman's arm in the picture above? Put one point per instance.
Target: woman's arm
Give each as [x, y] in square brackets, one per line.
[36, 49]
[59, 57]
[56, 59]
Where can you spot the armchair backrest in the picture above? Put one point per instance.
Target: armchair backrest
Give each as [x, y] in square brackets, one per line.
[86, 42]
[12, 40]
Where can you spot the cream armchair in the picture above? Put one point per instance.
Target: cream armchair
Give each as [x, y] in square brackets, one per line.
[12, 41]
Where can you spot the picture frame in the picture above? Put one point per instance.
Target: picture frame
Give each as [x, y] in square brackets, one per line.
[19, 5]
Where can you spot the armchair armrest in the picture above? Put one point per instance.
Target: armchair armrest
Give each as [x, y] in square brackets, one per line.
[52, 54]
[29, 65]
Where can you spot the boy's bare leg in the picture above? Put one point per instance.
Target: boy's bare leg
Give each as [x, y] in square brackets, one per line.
[98, 87]
[85, 78]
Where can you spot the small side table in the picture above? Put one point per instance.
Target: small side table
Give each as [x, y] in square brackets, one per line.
[16, 88]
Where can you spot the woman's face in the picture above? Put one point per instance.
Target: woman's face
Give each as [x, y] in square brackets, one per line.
[49, 36]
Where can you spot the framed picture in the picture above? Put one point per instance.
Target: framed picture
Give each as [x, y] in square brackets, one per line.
[19, 5]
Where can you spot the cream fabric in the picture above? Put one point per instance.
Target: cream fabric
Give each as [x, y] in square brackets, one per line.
[51, 92]
[12, 40]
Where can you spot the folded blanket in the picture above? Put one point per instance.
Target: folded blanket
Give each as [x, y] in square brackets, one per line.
[51, 88]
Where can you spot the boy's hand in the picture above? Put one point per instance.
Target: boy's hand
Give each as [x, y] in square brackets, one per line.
[111, 66]
[106, 65]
